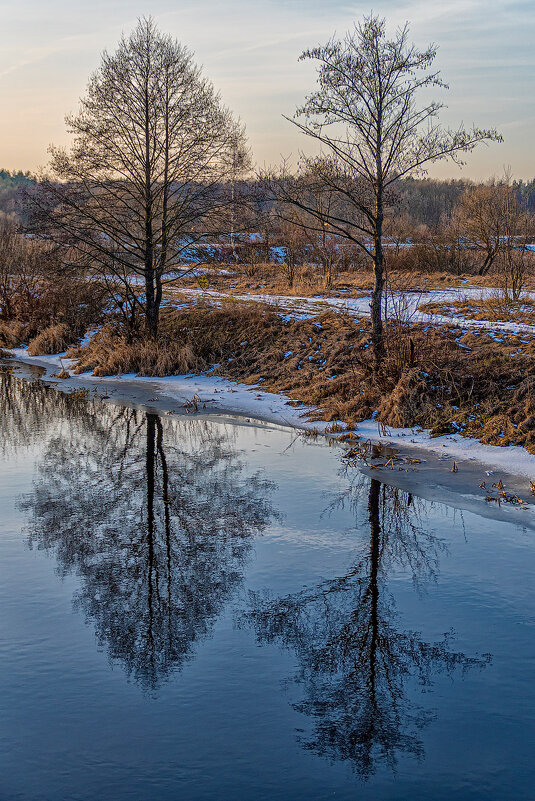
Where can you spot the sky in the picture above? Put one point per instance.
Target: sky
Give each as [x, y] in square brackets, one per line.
[249, 49]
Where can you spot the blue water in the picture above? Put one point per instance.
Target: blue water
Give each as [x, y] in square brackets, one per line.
[205, 610]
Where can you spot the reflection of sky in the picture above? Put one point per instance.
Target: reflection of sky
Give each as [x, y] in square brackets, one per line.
[250, 49]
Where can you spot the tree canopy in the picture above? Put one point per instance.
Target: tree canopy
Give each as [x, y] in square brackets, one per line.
[153, 147]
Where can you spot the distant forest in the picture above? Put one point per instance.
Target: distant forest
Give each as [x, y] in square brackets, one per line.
[431, 202]
[10, 185]
[425, 201]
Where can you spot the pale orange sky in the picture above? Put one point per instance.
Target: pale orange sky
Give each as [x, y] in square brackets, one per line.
[249, 49]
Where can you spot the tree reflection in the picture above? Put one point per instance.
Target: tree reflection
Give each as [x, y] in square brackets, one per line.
[155, 517]
[355, 663]
[30, 408]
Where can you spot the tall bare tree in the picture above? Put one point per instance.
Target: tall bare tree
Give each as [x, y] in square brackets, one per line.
[372, 132]
[144, 179]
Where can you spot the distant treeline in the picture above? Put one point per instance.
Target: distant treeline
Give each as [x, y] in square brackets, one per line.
[425, 201]
[431, 202]
[10, 185]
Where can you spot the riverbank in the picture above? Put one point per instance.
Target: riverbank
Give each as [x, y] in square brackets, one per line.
[446, 380]
[451, 468]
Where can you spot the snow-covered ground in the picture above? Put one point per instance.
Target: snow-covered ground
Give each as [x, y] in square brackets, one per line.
[215, 394]
[511, 459]
[402, 306]
[220, 395]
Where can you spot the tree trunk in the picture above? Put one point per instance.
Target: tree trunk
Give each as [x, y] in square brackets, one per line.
[378, 341]
[485, 267]
[150, 468]
[375, 537]
[151, 310]
[377, 296]
[159, 272]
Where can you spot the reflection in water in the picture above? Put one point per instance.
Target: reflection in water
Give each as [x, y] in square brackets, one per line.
[30, 408]
[152, 514]
[354, 661]
[155, 517]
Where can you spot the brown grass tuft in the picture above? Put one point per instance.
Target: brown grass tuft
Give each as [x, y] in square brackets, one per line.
[11, 333]
[54, 339]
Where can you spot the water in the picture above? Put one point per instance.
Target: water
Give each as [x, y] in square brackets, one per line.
[205, 610]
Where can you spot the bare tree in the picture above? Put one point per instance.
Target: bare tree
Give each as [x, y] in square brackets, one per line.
[514, 258]
[372, 132]
[10, 264]
[294, 239]
[481, 218]
[153, 150]
[494, 223]
[325, 244]
[164, 547]
[354, 659]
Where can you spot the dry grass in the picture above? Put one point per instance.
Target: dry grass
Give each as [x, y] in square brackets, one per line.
[495, 309]
[54, 339]
[111, 355]
[11, 333]
[435, 379]
[270, 278]
[190, 341]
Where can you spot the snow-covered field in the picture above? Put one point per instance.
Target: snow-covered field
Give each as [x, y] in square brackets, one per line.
[404, 306]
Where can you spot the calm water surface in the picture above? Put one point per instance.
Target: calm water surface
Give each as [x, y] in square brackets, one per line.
[197, 610]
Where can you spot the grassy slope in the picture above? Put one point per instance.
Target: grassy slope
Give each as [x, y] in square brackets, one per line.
[439, 378]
